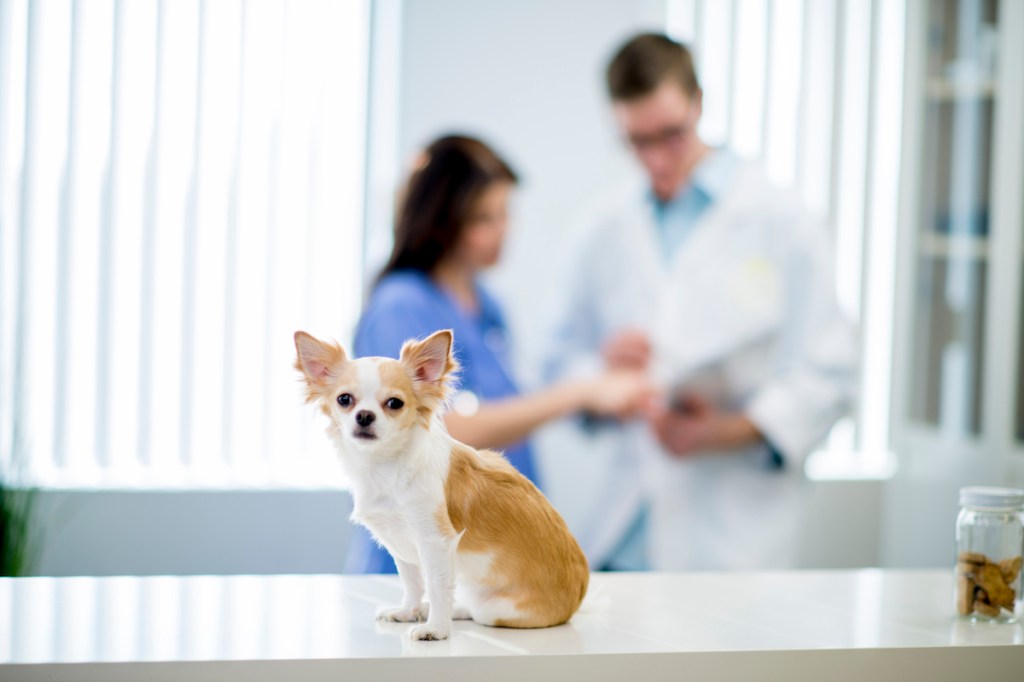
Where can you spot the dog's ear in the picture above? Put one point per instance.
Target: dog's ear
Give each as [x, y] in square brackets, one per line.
[430, 360]
[318, 361]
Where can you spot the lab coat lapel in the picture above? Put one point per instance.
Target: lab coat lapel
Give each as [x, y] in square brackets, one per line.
[652, 271]
[722, 293]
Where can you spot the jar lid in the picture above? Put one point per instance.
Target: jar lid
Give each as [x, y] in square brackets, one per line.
[992, 498]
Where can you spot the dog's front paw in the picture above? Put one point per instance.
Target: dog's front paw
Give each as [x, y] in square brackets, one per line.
[429, 632]
[404, 614]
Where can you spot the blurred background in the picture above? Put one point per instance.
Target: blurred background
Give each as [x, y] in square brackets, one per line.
[184, 184]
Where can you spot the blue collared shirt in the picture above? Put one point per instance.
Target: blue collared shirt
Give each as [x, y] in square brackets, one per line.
[677, 217]
[409, 305]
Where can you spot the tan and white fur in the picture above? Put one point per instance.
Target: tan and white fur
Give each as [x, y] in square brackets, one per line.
[450, 515]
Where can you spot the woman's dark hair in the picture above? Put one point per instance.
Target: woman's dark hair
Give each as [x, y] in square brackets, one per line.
[450, 177]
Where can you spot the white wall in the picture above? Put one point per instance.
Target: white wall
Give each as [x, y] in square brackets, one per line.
[192, 533]
[526, 76]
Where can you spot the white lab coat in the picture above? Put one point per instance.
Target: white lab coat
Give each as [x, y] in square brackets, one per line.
[749, 300]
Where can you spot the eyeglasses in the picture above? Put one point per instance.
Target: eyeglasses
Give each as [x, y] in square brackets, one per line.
[667, 138]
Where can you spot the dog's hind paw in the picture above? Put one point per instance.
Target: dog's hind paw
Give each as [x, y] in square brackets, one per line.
[404, 614]
[461, 613]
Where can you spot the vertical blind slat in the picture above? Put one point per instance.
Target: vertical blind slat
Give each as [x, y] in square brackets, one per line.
[177, 101]
[713, 67]
[289, 300]
[749, 71]
[103, 321]
[273, 213]
[69, 179]
[188, 298]
[887, 117]
[852, 155]
[220, 99]
[768, 79]
[868, 203]
[91, 71]
[20, 398]
[733, 69]
[868, 168]
[816, 129]
[698, 22]
[137, 73]
[148, 254]
[231, 255]
[251, 260]
[803, 98]
[46, 155]
[838, 69]
[6, 10]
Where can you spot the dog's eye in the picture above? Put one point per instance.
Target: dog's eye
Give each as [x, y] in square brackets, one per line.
[393, 404]
[345, 399]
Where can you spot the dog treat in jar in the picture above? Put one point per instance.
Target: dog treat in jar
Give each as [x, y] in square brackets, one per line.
[990, 545]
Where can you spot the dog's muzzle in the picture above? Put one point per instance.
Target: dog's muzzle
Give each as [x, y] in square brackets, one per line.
[364, 433]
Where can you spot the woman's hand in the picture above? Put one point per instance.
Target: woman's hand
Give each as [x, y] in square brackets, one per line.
[620, 394]
[500, 423]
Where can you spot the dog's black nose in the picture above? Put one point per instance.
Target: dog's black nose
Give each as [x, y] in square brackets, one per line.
[365, 417]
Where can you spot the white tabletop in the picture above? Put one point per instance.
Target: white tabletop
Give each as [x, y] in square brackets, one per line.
[784, 625]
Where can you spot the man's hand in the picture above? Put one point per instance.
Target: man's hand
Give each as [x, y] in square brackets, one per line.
[627, 350]
[695, 425]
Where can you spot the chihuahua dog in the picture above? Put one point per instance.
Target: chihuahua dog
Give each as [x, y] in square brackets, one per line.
[458, 521]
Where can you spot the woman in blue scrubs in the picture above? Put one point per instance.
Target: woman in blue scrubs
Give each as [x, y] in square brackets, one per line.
[450, 227]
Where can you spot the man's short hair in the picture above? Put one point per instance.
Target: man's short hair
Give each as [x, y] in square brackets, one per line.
[645, 62]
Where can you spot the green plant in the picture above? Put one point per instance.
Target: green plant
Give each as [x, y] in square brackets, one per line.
[17, 502]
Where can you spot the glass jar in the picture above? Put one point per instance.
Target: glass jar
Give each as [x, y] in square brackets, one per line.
[989, 543]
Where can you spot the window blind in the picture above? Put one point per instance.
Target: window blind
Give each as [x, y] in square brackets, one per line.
[181, 187]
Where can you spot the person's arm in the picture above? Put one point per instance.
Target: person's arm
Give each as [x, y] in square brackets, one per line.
[385, 327]
[816, 383]
[500, 423]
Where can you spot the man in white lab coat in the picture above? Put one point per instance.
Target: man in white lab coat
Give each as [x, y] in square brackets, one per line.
[721, 286]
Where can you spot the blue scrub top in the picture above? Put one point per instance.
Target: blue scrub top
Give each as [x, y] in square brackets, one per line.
[409, 305]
